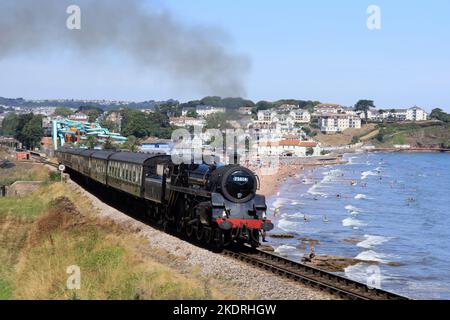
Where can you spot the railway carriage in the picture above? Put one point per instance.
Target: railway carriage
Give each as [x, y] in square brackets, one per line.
[215, 204]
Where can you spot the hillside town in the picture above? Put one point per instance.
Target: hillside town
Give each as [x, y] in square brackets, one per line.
[285, 130]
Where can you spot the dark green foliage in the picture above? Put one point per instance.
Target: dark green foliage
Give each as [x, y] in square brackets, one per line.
[54, 176]
[27, 128]
[364, 106]
[141, 125]
[62, 111]
[439, 114]
[9, 125]
[111, 126]
[92, 112]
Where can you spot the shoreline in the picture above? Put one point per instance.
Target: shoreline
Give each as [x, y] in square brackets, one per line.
[289, 168]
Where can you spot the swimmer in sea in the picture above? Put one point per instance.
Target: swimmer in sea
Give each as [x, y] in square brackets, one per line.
[277, 212]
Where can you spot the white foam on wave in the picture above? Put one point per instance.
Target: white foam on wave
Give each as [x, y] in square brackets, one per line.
[296, 202]
[297, 215]
[366, 174]
[361, 273]
[371, 241]
[371, 255]
[361, 197]
[279, 202]
[352, 222]
[352, 209]
[287, 249]
[289, 226]
[313, 191]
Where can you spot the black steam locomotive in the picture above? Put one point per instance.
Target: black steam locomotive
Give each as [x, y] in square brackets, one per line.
[214, 204]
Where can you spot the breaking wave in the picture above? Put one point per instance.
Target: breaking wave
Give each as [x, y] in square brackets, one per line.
[372, 241]
[351, 222]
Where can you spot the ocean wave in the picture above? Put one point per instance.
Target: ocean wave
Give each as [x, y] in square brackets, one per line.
[289, 226]
[279, 202]
[296, 202]
[313, 191]
[371, 255]
[297, 215]
[352, 222]
[287, 249]
[361, 197]
[366, 174]
[352, 209]
[361, 273]
[372, 241]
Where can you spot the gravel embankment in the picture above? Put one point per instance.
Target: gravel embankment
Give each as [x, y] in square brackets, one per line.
[254, 282]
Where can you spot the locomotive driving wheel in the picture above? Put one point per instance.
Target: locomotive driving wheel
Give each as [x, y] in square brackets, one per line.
[200, 232]
[189, 230]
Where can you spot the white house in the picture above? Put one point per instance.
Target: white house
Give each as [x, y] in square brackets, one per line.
[187, 122]
[416, 114]
[336, 123]
[328, 108]
[300, 116]
[289, 148]
[204, 111]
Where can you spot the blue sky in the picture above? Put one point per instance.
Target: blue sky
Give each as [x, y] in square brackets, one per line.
[319, 50]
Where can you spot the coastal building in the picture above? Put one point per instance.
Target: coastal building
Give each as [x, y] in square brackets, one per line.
[300, 116]
[294, 117]
[336, 123]
[266, 116]
[204, 111]
[288, 107]
[185, 122]
[289, 148]
[416, 114]
[327, 108]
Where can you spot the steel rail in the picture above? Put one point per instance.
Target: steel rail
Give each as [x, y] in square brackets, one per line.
[325, 281]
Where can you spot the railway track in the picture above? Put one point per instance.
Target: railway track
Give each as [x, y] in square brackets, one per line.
[339, 286]
[39, 158]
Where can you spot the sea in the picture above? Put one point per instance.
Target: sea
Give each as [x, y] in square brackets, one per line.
[391, 211]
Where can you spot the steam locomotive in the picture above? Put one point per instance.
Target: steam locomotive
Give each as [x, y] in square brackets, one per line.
[214, 204]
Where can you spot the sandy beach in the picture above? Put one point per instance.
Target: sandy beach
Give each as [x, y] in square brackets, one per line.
[270, 184]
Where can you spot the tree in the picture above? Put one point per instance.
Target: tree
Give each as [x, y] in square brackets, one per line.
[220, 120]
[62, 111]
[92, 112]
[439, 114]
[192, 113]
[31, 133]
[364, 106]
[131, 144]
[110, 125]
[9, 125]
[108, 145]
[141, 125]
[91, 142]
